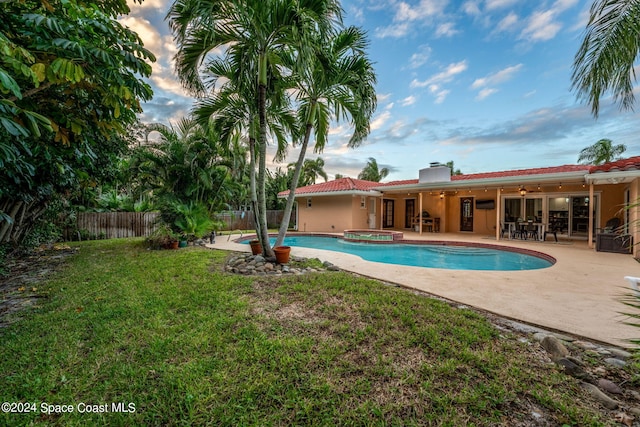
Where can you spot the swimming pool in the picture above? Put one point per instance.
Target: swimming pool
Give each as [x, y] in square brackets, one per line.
[448, 255]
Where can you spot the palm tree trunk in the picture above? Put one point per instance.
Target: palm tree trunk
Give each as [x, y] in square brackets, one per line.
[252, 183]
[262, 148]
[294, 180]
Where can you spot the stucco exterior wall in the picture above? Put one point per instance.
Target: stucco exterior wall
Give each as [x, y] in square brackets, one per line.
[334, 214]
[611, 203]
[326, 214]
[359, 213]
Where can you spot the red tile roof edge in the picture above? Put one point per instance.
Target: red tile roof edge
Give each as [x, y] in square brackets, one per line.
[351, 184]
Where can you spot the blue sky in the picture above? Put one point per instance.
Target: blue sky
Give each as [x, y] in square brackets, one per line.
[485, 83]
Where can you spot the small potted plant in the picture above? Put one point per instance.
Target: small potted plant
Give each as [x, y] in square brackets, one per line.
[163, 238]
[256, 246]
[282, 254]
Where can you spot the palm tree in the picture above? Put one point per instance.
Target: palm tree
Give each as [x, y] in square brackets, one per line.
[311, 170]
[601, 152]
[255, 35]
[454, 171]
[187, 164]
[371, 172]
[233, 113]
[606, 57]
[338, 81]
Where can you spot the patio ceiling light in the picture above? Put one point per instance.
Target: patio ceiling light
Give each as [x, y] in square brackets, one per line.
[442, 194]
[523, 191]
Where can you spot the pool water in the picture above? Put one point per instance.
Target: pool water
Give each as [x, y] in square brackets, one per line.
[451, 257]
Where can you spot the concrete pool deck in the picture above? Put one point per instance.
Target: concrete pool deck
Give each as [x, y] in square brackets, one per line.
[579, 295]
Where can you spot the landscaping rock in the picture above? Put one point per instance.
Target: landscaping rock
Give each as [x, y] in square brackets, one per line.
[573, 369]
[595, 392]
[619, 353]
[248, 264]
[554, 347]
[615, 362]
[609, 386]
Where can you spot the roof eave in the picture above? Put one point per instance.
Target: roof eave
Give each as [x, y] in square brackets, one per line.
[370, 193]
[565, 177]
[615, 177]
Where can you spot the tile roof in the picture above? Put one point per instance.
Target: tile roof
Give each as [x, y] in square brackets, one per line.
[632, 163]
[350, 184]
[345, 185]
[522, 172]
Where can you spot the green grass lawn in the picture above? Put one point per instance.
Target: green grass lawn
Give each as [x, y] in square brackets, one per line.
[176, 341]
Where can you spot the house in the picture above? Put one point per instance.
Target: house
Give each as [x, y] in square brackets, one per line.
[575, 201]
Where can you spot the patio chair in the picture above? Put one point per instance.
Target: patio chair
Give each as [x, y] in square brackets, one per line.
[553, 229]
[520, 230]
[612, 225]
[532, 230]
[504, 230]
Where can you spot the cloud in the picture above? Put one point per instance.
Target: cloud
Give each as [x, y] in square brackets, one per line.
[424, 9]
[498, 4]
[485, 84]
[409, 100]
[471, 8]
[380, 120]
[496, 78]
[440, 94]
[407, 14]
[446, 30]
[507, 23]
[443, 77]
[541, 26]
[434, 83]
[148, 33]
[383, 98]
[420, 57]
[484, 93]
[394, 31]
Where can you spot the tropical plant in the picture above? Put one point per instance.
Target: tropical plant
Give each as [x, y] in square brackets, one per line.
[601, 152]
[605, 60]
[454, 171]
[162, 236]
[255, 35]
[372, 172]
[311, 170]
[193, 220]
[336, 81]
[187, 164]
[70, 84]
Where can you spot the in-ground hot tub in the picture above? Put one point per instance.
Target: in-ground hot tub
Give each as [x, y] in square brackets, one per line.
[372, 235]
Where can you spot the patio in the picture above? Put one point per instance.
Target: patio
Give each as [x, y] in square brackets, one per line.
[578, 295]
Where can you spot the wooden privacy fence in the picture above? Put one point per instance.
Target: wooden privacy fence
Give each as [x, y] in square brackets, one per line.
[243, 220]
[111, 225]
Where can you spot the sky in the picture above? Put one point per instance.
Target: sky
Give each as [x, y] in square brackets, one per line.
[483, 83]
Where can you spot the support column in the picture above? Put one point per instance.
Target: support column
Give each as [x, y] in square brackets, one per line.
[420, 214]
[634, 215]
[382, 213]
[591, 204]
[498, 214]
